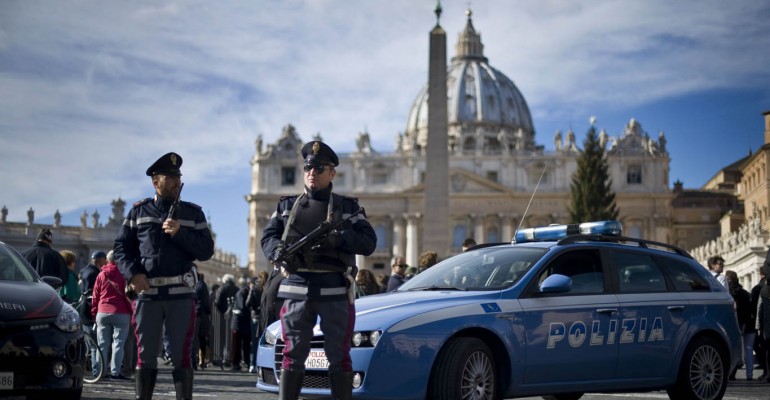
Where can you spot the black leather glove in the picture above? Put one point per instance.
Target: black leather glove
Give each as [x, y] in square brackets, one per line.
[331, 241]
[289, 263]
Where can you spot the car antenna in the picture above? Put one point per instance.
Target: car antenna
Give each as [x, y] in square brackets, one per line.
[530, 201]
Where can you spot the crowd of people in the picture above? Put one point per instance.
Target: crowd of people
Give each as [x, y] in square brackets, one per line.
[400, 272]
[106, 311]
[752, 309]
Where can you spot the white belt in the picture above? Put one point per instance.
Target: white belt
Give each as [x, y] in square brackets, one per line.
[165, 281]
[173, 290]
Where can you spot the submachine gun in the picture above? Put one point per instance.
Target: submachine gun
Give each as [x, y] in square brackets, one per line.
[308, 242]
[175, 204]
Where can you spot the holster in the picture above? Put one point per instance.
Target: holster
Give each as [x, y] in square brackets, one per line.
[351, 283]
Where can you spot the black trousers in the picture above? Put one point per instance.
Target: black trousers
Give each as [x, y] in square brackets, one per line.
[241, 346]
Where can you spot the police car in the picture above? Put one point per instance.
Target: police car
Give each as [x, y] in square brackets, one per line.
[561, 311]
[42, 351]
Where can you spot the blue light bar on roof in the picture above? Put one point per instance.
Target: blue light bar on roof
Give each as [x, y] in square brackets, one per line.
[609, 228]
[558, 232]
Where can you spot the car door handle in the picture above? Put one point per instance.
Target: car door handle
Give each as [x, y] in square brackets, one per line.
[675, 308]
[606, 310]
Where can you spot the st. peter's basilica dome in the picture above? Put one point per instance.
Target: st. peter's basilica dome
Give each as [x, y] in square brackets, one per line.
[487, 113]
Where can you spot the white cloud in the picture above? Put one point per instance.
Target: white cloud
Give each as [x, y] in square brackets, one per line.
[99, 89]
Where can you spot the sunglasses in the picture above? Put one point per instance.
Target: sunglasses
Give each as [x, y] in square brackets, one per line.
[319, 169]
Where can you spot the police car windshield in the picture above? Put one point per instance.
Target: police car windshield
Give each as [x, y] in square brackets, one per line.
[13, 267]
[489, 268]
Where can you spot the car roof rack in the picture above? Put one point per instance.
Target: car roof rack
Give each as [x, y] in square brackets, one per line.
[623, 239]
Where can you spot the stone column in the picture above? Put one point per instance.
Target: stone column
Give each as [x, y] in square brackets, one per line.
[257, 258]
[472, 228]
[412, 245]
[399, 235]
[478, 228]
[507, 224]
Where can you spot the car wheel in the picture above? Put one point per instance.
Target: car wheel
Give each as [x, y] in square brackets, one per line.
[564, 396]
[703, 372]
[464, 369]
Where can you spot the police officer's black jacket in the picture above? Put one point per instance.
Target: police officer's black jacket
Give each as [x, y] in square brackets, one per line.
[87, 282]
[355, 236]
[252, 301]
[46, 261]
[227, 291]
[202, 301]
[269, 303]
[143, 248]
[88, 278]
[241, 318]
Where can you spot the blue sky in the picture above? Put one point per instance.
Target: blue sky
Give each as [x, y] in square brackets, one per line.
[94, 91]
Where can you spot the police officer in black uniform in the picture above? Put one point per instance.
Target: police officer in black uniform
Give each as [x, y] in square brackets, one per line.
[318, 282]
[155, 250]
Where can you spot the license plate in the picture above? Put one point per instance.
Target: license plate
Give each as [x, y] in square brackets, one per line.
[317, 360]
[6, 380]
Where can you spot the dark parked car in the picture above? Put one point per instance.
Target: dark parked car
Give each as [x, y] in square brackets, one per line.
[41, 338]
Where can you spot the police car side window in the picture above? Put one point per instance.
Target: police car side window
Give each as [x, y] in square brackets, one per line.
[583, 267]
[637, 273]
[683, 276]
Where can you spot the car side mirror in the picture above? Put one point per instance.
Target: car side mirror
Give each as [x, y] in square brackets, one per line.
[556, 283]
[53, 281]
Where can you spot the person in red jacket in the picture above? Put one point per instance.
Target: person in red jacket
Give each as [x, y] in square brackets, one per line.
[113, 315]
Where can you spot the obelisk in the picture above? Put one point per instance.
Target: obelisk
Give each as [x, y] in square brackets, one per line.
[436, 221]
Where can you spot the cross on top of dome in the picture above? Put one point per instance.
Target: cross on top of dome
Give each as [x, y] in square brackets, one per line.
[469, 41]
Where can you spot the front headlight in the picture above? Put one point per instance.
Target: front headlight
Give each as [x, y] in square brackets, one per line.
[365, 338]
[374, 337]
[357, 339]
[68, 319]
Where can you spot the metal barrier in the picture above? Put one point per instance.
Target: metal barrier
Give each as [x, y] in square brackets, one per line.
[220, 338]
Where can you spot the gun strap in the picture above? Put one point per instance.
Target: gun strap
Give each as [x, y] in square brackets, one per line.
[293, 216]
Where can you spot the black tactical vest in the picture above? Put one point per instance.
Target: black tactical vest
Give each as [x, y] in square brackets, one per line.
[310, 214]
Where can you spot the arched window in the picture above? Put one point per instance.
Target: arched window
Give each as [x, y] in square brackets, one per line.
[634, 174]
[470, 145]
[492, 146]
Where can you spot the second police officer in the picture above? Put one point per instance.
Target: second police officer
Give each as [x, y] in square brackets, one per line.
[155, 250]
[318, 281]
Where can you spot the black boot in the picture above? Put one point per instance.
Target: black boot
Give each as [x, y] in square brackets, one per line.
[183, 383]
[145, 383]
[290, 385]
[342, 385]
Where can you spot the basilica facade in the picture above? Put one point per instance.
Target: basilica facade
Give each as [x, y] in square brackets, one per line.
[500, 178]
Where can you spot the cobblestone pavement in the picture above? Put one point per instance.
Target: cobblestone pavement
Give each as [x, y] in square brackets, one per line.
[226, 385]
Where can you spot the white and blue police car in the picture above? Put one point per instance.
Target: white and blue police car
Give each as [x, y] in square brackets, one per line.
[561, 311]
